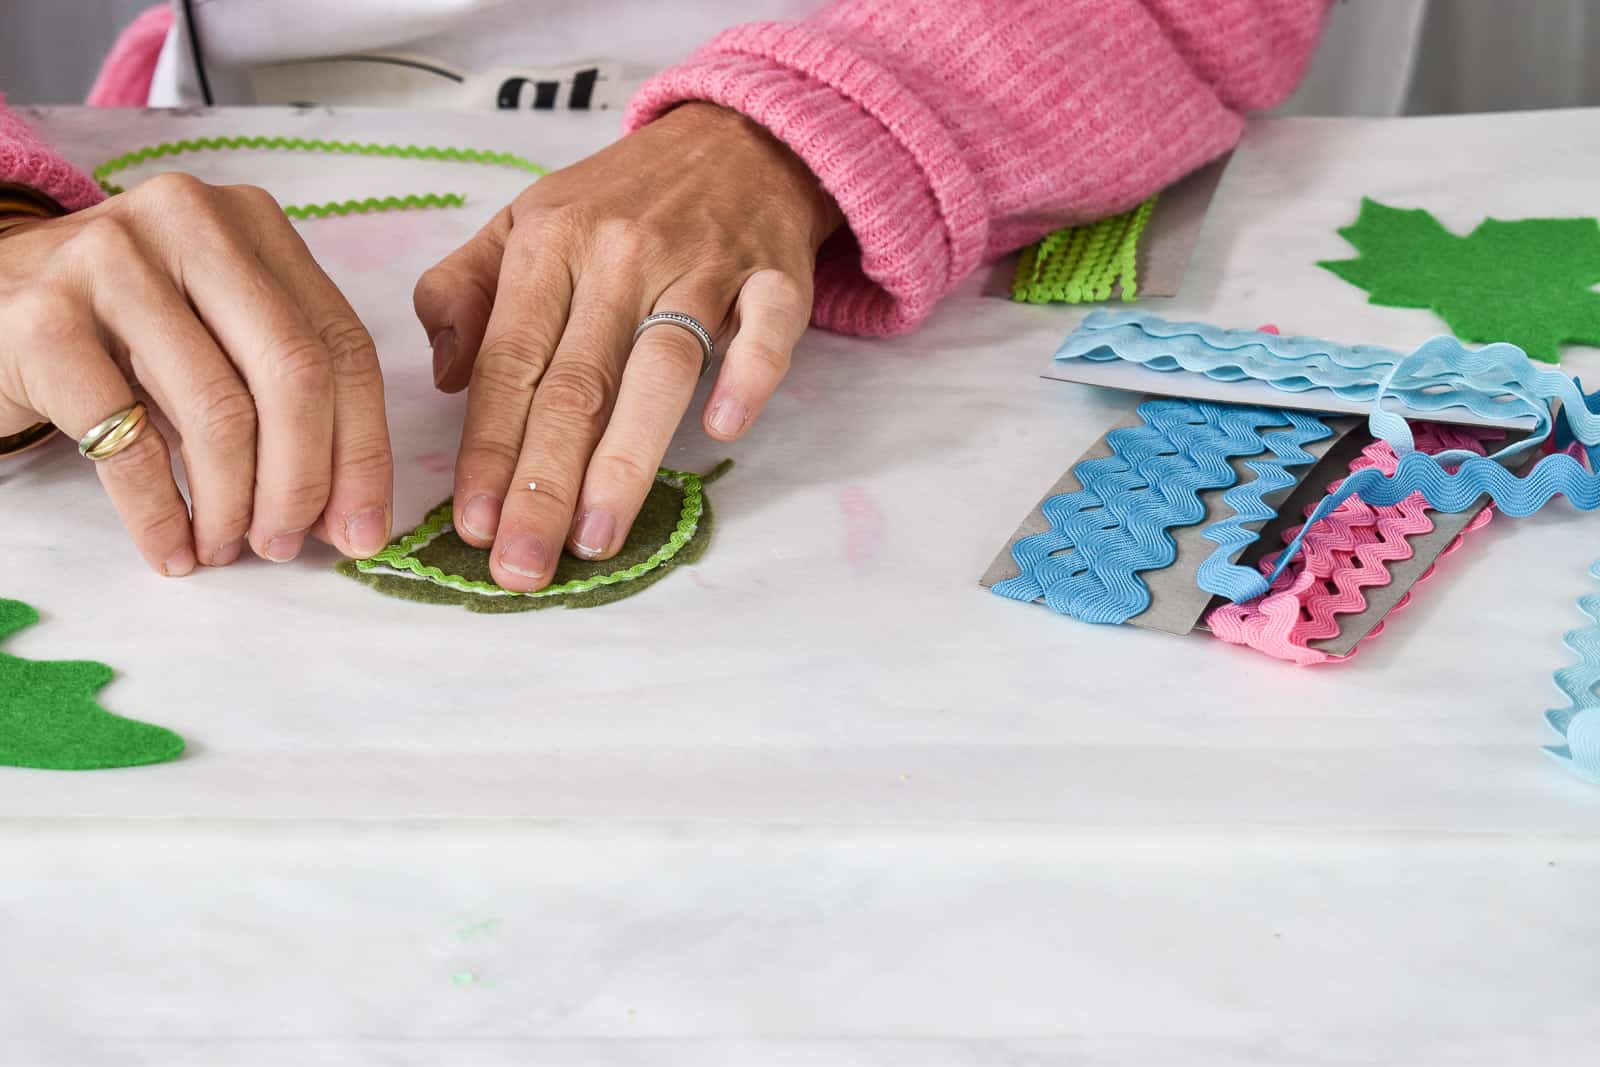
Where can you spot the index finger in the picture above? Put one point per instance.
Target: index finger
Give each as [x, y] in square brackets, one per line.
[531, 302]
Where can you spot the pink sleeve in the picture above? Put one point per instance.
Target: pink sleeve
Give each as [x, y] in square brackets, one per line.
[26, 160]
[124, 81]
[953, 131]
[130, 66]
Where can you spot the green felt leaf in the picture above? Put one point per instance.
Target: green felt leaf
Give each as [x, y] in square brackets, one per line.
[660, 530]
[1526, 281]
[49, 718]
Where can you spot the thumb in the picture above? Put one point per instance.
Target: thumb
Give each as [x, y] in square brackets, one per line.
[453, 299]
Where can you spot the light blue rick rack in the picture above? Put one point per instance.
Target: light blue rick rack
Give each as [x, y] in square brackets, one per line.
[1218, 573]
[1497, 379]
[1579, 722]
[1358, 373]
[1087, 564]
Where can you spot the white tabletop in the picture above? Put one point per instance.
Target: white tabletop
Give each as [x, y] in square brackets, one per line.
[818, 799]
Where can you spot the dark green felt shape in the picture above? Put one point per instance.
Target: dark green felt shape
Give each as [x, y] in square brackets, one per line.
[49, 718]
[662, 516]
[1526, 281]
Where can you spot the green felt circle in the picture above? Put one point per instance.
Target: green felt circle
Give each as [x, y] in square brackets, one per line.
[657, 521]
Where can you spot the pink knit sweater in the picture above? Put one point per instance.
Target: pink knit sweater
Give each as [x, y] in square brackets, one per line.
[949, 131]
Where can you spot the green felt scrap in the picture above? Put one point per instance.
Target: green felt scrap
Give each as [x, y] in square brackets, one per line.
[673, 528]
[49, 718]
[1526, 281]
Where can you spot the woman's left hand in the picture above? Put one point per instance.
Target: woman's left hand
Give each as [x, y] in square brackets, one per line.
[701, 212]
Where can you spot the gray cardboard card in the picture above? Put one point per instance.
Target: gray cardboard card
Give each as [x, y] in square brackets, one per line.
[1176, 601]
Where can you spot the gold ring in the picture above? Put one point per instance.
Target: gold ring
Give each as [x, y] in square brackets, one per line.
[114, 434]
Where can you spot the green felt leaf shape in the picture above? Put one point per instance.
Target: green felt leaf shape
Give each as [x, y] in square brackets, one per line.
[49, 718]
[1526, 281]
[433, 565]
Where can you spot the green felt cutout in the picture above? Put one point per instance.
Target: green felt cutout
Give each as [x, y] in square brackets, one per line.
[1526, 281]
[673, 528]
[49, 719]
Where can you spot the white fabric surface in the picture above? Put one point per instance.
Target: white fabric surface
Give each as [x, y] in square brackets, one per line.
[818, 799]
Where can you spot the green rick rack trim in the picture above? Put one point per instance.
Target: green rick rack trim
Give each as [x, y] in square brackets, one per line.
[103, 173]
[431, 562]
[1082, 263]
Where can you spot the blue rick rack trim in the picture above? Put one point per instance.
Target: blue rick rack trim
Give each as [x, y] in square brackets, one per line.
[1087, 564]
[1291, 364]
[1498, 378]
[1218, 573]
[1579, 722]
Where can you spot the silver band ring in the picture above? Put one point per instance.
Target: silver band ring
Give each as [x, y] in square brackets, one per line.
[111, 435]
[686, 322]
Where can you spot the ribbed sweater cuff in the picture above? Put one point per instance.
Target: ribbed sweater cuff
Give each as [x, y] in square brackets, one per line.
[913, 204]
[25, 160]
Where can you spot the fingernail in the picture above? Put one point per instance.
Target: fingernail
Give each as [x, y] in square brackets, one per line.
[593, 535]
[367, 532]
[482, 517]
[526, 556]
[728, 416]
[444, 353]
[179, 564]
[227, 554]
[285, 547]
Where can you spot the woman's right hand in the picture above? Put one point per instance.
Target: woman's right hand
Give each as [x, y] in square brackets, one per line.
[209, 300]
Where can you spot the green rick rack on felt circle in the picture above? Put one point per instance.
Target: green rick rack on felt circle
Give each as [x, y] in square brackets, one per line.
[1081, 263]
[103, 173]
[432, 563]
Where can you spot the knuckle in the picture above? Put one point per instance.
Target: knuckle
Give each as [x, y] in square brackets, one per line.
[348, 343]
[490, 451]
[304, 494]
[576, 391]
[300, 363]
[168, 525]
[623, 470]
[672, 350]
[144, 466]
[365, 458]
[175, 188]
[46, 314]
[623, 241]
[782, 291]
[254, 198]
[556, 493]
[513, 361]
[105, 240]
[226, 416]
[565, 226]
[430, 289]
[768, 356]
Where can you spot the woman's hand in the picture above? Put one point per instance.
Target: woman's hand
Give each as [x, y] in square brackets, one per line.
[208, 299]
[701, 212]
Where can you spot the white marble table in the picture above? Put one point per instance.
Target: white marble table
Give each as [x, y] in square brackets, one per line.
[818, 799]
